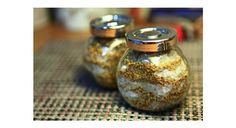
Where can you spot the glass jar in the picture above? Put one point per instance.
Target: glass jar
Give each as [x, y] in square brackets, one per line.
[153, 74]
[105, 47]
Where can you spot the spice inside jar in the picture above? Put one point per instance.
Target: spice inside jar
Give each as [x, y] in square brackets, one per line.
[153, 74]
[105, 47]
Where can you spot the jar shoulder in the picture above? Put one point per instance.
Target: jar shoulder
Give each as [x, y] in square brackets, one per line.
[174, 54]
[101, 47]
[105, 42]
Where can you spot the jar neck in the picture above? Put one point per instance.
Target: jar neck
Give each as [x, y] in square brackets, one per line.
[105, 39]
[159, 52]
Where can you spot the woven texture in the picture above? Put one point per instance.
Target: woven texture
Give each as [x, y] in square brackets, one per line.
[64, 90]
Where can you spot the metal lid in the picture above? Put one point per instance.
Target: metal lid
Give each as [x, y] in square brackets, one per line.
[151, 39]
[111, 26]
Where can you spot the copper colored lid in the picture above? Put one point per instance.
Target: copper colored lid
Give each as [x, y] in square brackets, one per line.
[151, 39]
[111, 26]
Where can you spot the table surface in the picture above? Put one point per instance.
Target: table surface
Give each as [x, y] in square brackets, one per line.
[64, 90]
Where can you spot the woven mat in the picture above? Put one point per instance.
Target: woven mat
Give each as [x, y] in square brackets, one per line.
[64, 90]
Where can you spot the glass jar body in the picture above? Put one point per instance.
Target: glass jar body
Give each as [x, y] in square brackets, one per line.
[153, 81]
[101, 59]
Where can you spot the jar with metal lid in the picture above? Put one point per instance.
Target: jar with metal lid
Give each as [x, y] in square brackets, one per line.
[153, 74]
[105, 47]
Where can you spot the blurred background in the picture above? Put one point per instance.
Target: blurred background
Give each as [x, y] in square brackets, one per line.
[72, 24]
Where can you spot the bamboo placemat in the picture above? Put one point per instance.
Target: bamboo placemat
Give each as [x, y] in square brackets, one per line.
[64, 90]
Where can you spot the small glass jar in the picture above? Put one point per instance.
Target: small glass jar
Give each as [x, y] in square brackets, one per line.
[153, 74]
[105, 47]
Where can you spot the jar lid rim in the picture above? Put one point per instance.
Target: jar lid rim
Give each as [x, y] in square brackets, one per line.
[114, 21]
[111, 26]
[151, 39]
